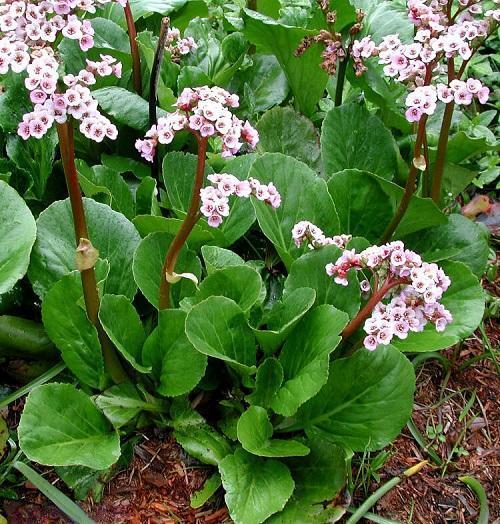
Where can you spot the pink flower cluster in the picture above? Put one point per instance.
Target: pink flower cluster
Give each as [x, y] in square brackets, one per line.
[205, 112]
[178, 46]
[38, 22]
[215, 198]
[415, 288]
[315, 237]
[438, 38]
[76, 101]
[360, 51]
[28, 29]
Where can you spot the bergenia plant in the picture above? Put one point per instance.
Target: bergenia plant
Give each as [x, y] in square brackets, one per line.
[257, 274]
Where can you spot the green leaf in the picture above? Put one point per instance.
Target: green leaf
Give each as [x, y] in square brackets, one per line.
[196, 437]
[83, 481]
[242, 284]
[145, 197]
[366, 203]
[320, 475]
[148, 263]
[123, 326]
[305, 357]
[264, 84]
[212, 484]
[291, 178]
[219, 258]
[122, 165]
[385, 18]
[125, 107]
[178, 365]
[460, 239]
[192, 76]
[17, 236]
[60, 426]
[64, 503]
[367, 400]
[282, 130]
[297, 511]
[143, 8]
[353, 138]
[72, 332]
[255, 488]
[283, 317]
[268, 381]
[255, 432]
[462, 146]
[217, 328]
[35, 157]
[465, 301]
[121, 403]
[54, 251]
[179, 171]
[309, 270]
[306, 78]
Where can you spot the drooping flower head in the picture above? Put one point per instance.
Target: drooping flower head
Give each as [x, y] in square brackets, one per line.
[204, 111]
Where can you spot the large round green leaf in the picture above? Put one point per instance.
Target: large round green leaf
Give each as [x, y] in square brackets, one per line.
[110, 232]
[304, 197]
[60, 426]
[282, 130]
[217, 327]
[305, 357]
[367, 400]
[366, 203]
[353, 138]
[255, 432]
[17, 235]
[176, 363]
[255, 488]
[464, 299]
[460, 239]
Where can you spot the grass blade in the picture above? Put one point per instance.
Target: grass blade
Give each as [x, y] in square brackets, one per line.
[477, 488]
[64, 503]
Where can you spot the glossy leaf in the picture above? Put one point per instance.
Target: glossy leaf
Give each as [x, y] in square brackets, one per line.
[255, 432]
[305, 357]
[255, 488]
[353, 138]
[17, 236]
[217, 328]
[304, 197]
[367, 400]
[60, 426]
[54, 251]
[219, 258]
[268, 381]
[282, 130]
[123, 326]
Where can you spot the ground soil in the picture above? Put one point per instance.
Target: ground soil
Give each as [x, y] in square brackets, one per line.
[156, 487]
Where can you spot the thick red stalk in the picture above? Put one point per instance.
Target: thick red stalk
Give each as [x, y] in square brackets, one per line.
[134, 49]
[89, 282]
[186, 226]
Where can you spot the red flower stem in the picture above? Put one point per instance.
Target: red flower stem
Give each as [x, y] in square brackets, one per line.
[89, 282]
[364, 313]
[186, 226]
[134, 49]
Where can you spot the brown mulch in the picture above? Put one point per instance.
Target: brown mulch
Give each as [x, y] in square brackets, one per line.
[156, 487]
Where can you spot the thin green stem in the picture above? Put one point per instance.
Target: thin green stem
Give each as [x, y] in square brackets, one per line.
[134, 49]
[89, 282]
[186, 226]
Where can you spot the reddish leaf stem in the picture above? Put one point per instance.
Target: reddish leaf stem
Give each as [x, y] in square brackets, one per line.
[134, 49]
[186, 226]
[89, 282]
